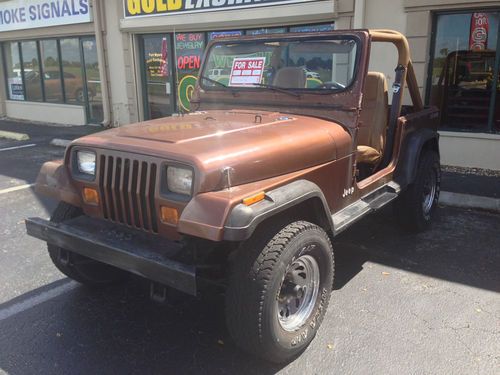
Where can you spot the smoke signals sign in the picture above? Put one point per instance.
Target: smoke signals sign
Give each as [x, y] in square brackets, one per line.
[479, 29]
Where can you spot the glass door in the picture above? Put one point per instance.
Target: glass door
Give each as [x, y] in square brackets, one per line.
[159, 96]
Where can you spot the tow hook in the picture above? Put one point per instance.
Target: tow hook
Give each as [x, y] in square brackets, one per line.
[158, 292]
[64, 257]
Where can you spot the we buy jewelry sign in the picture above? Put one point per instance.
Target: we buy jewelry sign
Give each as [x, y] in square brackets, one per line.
[247, 71]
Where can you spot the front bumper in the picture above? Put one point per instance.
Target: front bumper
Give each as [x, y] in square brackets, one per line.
[143, 254]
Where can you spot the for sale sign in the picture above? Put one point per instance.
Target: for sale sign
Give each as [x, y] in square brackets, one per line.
[479, 29]
[247, 71]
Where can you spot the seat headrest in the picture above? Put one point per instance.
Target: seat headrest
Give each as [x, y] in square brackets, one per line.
[375, 85]
[290, 78]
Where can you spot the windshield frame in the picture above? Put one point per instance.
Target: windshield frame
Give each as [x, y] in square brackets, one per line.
[289, 37]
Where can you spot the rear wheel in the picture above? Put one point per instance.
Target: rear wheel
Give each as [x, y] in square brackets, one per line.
[279, 290]
[416, 206]
[77, 267]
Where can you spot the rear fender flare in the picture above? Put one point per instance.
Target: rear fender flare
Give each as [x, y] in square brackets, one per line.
[406, 170]
[243, 220]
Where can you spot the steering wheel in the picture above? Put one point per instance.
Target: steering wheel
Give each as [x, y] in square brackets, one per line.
[331, 85]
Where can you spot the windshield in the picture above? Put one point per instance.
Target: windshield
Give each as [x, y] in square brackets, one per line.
[302, 64]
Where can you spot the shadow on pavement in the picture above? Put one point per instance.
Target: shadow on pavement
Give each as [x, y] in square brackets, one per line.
[460, 247]
[118, 330]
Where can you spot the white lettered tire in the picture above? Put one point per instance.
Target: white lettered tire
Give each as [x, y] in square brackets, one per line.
[279, 290]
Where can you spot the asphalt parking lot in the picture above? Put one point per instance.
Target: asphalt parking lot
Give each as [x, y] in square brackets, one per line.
[403, 304]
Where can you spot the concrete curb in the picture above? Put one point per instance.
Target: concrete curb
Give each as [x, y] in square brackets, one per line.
[13, 135]
[60, 142]
[447, 198]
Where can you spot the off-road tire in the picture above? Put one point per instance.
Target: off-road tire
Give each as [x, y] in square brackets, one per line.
[79, 268]
[408, 207]
[258, 270]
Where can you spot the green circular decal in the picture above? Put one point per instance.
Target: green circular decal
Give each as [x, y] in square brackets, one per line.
[312, 83]
[185, 91]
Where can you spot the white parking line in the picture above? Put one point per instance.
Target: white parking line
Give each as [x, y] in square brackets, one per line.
[16, 188]
[36, 300]
[16, 147]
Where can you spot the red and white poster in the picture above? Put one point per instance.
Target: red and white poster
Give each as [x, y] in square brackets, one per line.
[247, 71]
[164, 58]
[479, 28]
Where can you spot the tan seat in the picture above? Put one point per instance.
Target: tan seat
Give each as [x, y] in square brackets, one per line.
[290, 78]
[373, 120]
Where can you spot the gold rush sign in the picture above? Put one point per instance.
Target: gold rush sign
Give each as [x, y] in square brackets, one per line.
[137, 8]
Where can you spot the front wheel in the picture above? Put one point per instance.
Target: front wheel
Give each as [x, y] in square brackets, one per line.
[416, 206]
[279, 290]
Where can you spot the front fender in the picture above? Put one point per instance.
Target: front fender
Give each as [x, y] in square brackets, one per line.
[243, 219]
[53, 181]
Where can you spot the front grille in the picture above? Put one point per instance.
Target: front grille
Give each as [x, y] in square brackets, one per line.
[128, 192]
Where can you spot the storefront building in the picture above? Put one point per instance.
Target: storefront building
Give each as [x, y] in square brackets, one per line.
[116, 62]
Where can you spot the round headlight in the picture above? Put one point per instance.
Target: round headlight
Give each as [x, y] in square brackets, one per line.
[179, 180]
[85, 161]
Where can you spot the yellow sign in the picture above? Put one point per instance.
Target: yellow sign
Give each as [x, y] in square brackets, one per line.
[135, 8]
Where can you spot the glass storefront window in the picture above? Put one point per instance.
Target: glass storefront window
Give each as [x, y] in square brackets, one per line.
[159, 101]
[51, 71]
[463, 70]
[94, 97]
[223, 34]
[15, 87]
[189, 49]
[31, 70]
[312, 28]
[270, 30]
[71, 62]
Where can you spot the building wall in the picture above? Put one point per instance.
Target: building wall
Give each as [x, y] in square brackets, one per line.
[121, 73]
[46, 112]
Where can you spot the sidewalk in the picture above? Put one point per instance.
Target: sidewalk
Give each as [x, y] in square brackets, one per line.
[460, 187]
[470, 188]
[42, 131]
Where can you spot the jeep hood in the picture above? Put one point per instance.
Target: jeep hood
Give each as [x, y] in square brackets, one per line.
[252, 145]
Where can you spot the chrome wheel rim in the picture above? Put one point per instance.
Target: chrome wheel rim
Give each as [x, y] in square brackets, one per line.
[429, 192]
[298, 293]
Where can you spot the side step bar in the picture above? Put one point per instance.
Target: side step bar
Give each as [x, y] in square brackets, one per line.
[369, 203]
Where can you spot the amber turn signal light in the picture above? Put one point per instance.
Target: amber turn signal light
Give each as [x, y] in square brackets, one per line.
[254, 198]
[169, 215]
[90, 196]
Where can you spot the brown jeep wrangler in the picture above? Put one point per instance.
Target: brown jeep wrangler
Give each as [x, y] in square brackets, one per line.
[292, 146]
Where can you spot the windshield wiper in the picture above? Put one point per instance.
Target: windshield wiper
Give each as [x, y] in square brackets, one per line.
[284, 90]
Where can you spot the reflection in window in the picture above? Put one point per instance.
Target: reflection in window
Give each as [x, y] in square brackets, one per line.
[15, 87]
[188, 52]
[268, 30]
[313, 28]
[93, 80]
[462, 69]
[157, 76]
[51, 73]
[72, 71]
[31, 66]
